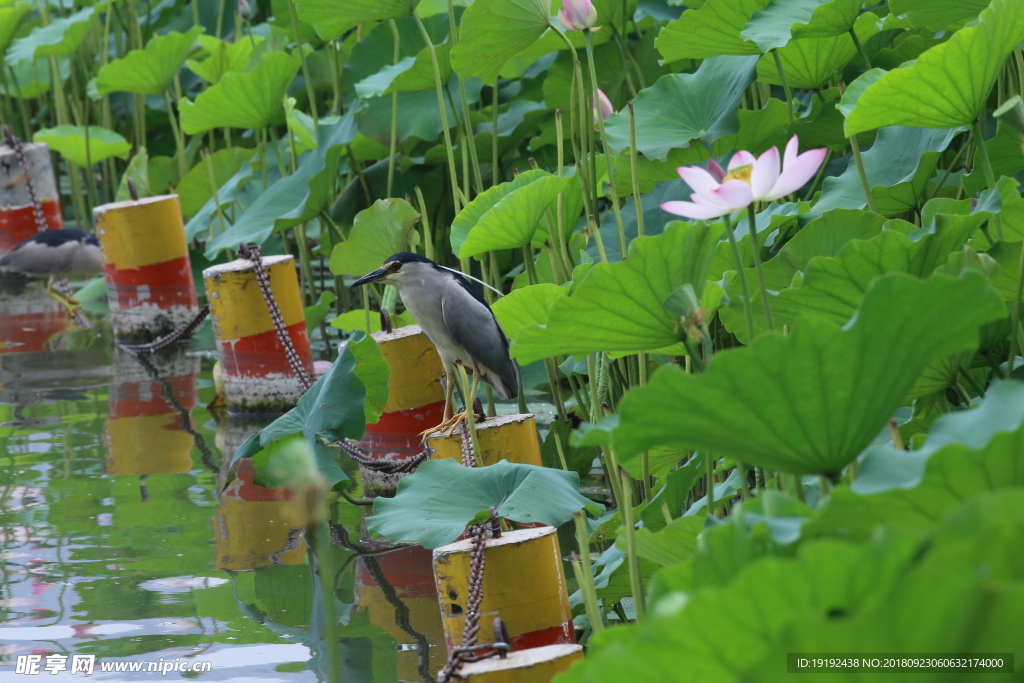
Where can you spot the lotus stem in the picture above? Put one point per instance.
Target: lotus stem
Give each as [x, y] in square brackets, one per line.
[860, 48]
[862, 173]
[394, 108]
[755, 252]
[585, 575]
[1015, 315]
[785, 86]
[633, 166]
[748, 310]
[635, 578]
[709, 462]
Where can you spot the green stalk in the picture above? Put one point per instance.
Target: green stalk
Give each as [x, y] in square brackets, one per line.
[394, 108]
[439, 86]
[785, 86]
[305, 69]
[818, 176]
[604, 143]
[710, 462]
[560, 241]
[561, 454]
[1015, 315]
[633, 560]
[633, 170]
[453, 31]
[860, 49]
[179, 138]
[748, 310]
[335, 77]
[754, 250]
[986, 165]
[585, 575]
[304, 262]
[855, 148]
[327, 577]
[213, 188]
[428, 238]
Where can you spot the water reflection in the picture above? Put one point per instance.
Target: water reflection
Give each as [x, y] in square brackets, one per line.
[126, 533]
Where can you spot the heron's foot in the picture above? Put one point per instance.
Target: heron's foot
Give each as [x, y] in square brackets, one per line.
[451, 424]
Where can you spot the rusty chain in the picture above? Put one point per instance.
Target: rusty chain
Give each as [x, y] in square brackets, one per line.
[252, 252]
[14, 142]
[383, 466]
[182, 332]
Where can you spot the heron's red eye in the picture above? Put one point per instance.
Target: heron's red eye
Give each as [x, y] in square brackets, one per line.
[395, 266]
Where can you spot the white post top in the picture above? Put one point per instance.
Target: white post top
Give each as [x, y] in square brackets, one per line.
[241, 265]
[519, 659]
[129, 203]
[506, 538]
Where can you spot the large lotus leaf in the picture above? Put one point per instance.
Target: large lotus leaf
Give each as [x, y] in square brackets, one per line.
[10, 20]
[619, 307]
[526, 306]
[223, 57]
[898, 167]
[825, 236]
[434, 505]
[684, 107]
[410, 74]
[227, 194]
[1006, 156]
[195, 190]
[331, 18]
[148, 71]
[680, 640]
[242, 100]
[834, 285]
[675, 543]
[810, 62]
[296, 198]
[710, 31]
[474, 212]
[30, 80]
[61, 37]
[418, 114]
[377, 232]
[511, 222]
[796, 403]
[82, 146]
[773, 26]
[937, 14]
[492, 31]
[947, 86]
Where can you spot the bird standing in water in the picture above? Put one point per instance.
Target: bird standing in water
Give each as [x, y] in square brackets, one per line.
[56, 254]
[456, 320]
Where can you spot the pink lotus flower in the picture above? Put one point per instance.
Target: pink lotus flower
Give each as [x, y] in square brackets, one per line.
[244, 9]
[602, 105]
[717, 193]
[578, 15]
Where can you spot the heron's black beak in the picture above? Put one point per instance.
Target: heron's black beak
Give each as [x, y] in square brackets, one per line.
[375, 276]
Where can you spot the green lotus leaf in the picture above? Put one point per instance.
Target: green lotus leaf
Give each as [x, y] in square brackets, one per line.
[11, 17]
[377, 232]
[242, 100]
[796, 403]
[680, 108]
[148, 71]
[811, 62]
[619, 307]
[938, 14]
[61, 37]
[83, 147]
[713, 30]
[492, 31]
[947, 85]
[526, 306]
[223, 57]
[781, 20]
[521, 493]
[331, 18]
[511, 221]
[195, 190]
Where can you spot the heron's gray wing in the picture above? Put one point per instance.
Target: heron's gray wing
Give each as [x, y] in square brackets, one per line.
[473, 327]
[39, 258]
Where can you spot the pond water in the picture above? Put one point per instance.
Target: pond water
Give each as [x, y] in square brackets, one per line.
[123, 537]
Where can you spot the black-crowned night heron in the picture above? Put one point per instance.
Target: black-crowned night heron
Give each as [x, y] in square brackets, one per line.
[53, 254]
[458, 322]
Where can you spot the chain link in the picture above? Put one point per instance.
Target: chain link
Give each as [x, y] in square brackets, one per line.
[252, 252]
[185, 330]
[383, 466]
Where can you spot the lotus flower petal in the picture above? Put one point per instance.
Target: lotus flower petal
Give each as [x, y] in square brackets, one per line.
[695, 211]
[765, 173]
[741, 158]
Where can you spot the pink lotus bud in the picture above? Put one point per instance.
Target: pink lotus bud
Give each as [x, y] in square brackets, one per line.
[578, 15]
[244, 9]
[603, 106]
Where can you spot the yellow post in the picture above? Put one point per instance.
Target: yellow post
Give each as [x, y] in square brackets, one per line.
[415, 403]
[505, 437]
[538, 665]
[146, 267]
[144, 432]
[19, 217]
[257, 375]
[523, 583]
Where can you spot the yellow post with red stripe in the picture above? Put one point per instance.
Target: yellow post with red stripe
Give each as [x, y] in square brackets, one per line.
[257, 375]
[505, 437]
[146, 267]
[144, 433]
[537, 665]
[415, 403]
[523, 583]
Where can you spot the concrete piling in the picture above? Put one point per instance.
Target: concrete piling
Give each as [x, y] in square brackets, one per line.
[18, 213]
[146, 267]
[505, 437]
